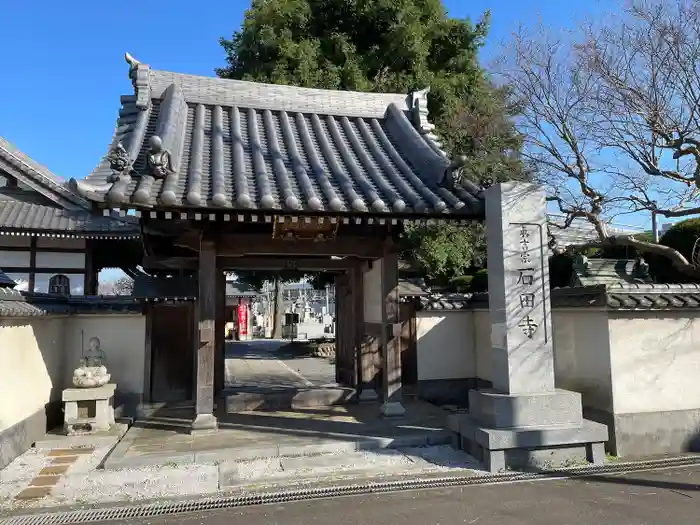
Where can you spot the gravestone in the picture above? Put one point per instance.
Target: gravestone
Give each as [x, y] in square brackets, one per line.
[524, 418]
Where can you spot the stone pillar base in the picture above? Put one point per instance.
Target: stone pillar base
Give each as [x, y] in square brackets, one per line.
[88, 410]
[204, 424]
[367, 395]
[530, 430]
[394, 409]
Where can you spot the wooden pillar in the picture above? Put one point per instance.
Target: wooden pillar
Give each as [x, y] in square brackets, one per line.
[339, 339]
[351, 332]
[205, 351]
[362, 350]
[32, 264]
[90, 269]
[390, 338]
[220, 337]
[148, 357]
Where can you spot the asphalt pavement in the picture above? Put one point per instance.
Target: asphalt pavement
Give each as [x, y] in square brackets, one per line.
[643, 498]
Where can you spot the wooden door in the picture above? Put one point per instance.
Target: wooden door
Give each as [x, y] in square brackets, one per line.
[409, 347]
[172, 352]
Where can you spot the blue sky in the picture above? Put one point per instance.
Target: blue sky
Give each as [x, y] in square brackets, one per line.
[63, 69]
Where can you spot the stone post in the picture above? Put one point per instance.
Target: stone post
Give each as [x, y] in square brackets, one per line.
[519, 306]
[524, 418]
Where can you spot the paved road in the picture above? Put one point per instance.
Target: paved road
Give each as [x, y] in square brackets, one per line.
[646, 498]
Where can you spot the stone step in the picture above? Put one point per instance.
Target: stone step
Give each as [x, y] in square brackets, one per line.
[285, 399]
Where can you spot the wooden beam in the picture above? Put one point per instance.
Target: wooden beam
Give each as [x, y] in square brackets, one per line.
[284, 263]
[251, 263]
[206, 339]
[241, 245]
[91, 274]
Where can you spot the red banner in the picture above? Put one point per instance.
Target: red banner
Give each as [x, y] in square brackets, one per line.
[242, 319]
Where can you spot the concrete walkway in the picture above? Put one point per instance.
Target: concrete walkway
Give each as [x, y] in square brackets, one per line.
[164, 437]
[254, 366]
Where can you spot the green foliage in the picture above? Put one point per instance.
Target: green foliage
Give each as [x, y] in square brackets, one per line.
[681, 237]
[443, 252]
[384, 46]
[480, 283]
[560, 268]
[391, 46]
[461, 284]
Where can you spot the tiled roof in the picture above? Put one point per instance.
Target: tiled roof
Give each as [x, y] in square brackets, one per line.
[37, 176]
[606, 271]
[14, 303]
[409, 288]
[28, 217]
[581, 231]
[238, 290]
[244, 146]
[612, 297]
[5, 281]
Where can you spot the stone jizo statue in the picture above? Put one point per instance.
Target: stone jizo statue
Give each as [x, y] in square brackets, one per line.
[92, 371]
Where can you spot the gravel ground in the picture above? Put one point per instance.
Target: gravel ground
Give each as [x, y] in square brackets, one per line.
[84, 485]
[136, 484]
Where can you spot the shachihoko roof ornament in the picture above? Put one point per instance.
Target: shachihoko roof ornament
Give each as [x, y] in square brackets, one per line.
[199, 143]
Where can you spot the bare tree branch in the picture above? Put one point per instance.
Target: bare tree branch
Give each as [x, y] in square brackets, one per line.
[611, 117]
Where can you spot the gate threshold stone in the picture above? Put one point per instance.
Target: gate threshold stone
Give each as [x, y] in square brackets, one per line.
[118, 459]
[286, 399]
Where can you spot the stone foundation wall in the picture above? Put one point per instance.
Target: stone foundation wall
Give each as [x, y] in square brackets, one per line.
[637, 371]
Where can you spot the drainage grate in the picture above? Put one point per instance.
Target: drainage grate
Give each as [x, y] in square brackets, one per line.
[166, 509]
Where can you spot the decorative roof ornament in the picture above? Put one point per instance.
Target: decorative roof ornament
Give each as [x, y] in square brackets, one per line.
[158, 159]
[140, 79]
[453, 173]
[418, 102]
[581, 264]
[120, 163]
[641, 270]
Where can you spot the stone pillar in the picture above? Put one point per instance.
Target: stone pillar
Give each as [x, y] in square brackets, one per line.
[392, 393]
[524, 419]
[206, 341]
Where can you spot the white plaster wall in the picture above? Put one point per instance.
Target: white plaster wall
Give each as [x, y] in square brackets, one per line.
[582, 355]
[31, 366]
[372, 288]
[51, 242]
[59, 260]
[445, 345]
[122, 338]
[655, 361]
[18, 259]
[482, 343]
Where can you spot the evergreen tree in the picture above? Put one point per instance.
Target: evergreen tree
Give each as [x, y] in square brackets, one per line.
[391, 46]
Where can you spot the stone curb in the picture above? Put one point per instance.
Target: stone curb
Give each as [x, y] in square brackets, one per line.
[117, 461]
